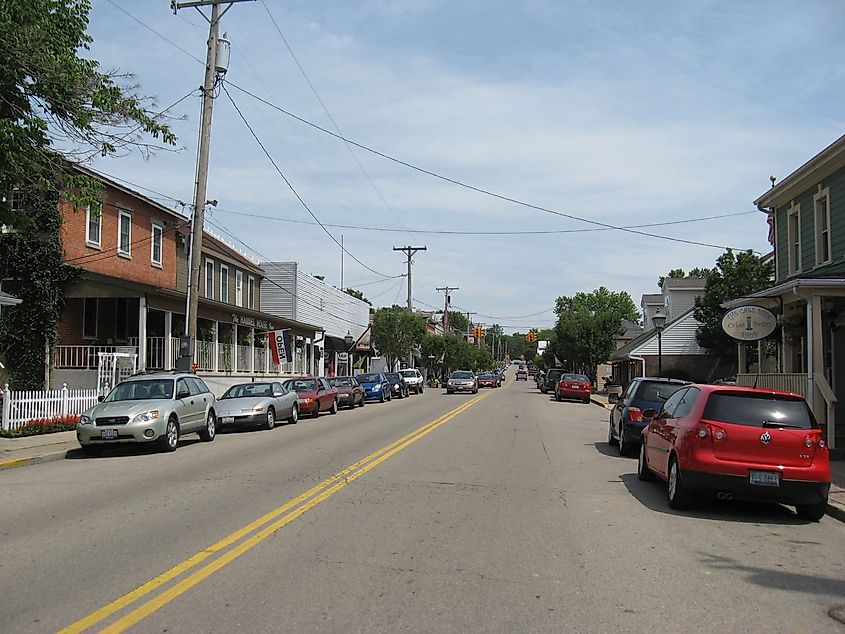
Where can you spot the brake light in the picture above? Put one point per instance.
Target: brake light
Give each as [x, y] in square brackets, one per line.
[708, 430]
[635, 414]
[815, 438]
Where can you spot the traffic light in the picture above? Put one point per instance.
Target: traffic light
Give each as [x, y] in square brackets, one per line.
[531, 337]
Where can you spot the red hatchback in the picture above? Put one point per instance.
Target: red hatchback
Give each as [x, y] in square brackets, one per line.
[738, 443]
[573, 386]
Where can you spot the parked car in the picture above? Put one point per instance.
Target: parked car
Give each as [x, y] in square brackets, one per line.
[314, 394]
[521, 374]
[257, 405]
[349, 391]
[376, 386]
[550, 379]
[488, 379]
[632, 411]
[398, 387]
[150, 408]
[575, 386]
[462, 381]
[414, 379]
[738, 443]
[532, 371]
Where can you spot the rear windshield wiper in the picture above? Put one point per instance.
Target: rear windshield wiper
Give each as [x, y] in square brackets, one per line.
[774, 423]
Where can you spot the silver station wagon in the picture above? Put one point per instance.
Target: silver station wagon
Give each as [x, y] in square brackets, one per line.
[151, 408]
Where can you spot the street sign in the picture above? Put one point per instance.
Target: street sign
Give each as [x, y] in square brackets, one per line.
[342, 357]
[749, 323]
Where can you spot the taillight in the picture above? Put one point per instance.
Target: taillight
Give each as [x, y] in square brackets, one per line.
[708, 430]
[815, 439]
[635, 414]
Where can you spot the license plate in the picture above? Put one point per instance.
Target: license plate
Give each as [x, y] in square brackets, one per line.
[764, 478]
[228, 420]
[108, 434]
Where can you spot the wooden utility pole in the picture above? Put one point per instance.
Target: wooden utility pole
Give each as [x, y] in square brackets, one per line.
[446, 290]
[409, 252]
[215, 69]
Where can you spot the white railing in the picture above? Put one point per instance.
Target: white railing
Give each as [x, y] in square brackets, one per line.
[242, 360]
[79, 357]
[21, 407]
[204, 357]
[174, 353]
[155, 353]
[795, 382]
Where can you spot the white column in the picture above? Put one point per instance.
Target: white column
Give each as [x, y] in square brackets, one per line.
[234, 348]
[267, 354]
[142, 334]
[811, 388]
[168, 344]
[215, 348]
[252, 350]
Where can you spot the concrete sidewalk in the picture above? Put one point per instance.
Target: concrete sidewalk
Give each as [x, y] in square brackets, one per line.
[836, 499]
[19, 452]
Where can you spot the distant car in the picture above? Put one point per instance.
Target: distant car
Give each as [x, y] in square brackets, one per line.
[550, 379]
[738, 443]
[576, 386]
[398, 387]
[521, 375]
[488, 380]
[632, 411]
[462, 381]
[376, 386]
[532, 371]
[414, 379]
[257, 405]
[150, 408]
[349, 392]
[315, 395]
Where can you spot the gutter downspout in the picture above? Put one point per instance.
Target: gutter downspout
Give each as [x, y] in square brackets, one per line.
[640, 359]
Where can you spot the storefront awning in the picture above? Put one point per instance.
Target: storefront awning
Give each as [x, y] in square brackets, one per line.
[335, 344]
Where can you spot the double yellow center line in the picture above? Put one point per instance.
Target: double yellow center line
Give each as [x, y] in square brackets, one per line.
[265, 526]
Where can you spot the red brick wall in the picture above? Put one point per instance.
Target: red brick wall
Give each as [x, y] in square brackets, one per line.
[105, 259]
[70, 327]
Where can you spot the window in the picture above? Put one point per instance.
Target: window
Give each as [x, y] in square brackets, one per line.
[759, 410]
[156, 238]
[672, 403]
[89, 318]
[239, 288]
[822, 205]
[793, 227]
[209, 279]
[250, 290]
[93, 225]
[687, 402]
[224, 283]
[124, 234]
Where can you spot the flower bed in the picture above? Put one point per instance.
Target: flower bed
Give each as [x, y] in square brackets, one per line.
[43, 426]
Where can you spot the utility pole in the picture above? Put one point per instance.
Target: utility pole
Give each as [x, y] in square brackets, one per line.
[409, 252]
[446, 290]
[341, 261]
[469, 323]
[215, 68]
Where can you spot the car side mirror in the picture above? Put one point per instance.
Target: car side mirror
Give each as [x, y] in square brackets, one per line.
[100, 398]
[278, 394]
[649, 412]
[613, 397]
[182, 394]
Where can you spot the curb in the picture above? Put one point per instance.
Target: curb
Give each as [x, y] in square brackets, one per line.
[600, 403]
[836, 511]
[23, 462]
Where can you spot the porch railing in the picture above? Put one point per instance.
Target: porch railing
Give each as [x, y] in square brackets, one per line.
[792, 382]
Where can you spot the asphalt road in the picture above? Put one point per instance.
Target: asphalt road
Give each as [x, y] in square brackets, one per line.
[511, 514]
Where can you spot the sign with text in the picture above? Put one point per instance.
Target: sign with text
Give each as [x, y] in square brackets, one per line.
[280, 346]
[749, 323]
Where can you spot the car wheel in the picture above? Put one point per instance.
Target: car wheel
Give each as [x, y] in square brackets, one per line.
[361, 404]
[208, 432]
[624, 447]
[271, 418]
[293, 419]
[421, 389]
[170, 438]
[587, 401]
[316, 412]
[677, 494]
[643, 472]
[812, 512]
[333, 409]
[610, 439]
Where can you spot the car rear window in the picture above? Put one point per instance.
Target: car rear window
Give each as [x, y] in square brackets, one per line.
[342, 381]
[753, 410]
[372, 377]
[575, 377]
[656, 392]
[462, 375]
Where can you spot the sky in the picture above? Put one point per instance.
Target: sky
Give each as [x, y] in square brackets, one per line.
[619, 113]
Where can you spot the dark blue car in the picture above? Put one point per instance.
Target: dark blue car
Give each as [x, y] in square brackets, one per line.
[376, 386]
[633, 411]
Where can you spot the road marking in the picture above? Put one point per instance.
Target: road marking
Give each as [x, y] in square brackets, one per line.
[290, 511]
[11, 464]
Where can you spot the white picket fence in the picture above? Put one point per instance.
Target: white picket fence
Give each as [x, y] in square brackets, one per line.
[21, 407]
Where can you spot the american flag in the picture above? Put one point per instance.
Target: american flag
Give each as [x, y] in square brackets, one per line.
[770, 219]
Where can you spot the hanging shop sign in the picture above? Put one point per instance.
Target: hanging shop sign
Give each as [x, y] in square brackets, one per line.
[749, 323]
[280, 346]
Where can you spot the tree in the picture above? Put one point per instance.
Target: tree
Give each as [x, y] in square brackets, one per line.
[735, 275]
[587, 325]
[55, 107]
[396, 332]
[458, 321]
[679, 274]
[357, 295]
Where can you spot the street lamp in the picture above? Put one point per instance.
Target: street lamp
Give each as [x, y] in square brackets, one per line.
[659, 321]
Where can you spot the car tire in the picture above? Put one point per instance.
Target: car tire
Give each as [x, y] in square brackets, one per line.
[676, 493]
[624, 447]
[209, 432]
[610, 438]
[449, 392]
[271, 418]
[643, 472]
[316, 412]
[361, 404]
[333, 409]
[587, 401]
[812, 512]
[293, 419]
[170, 438]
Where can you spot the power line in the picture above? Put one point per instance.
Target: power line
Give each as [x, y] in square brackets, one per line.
[291, 187]
[474, 188]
